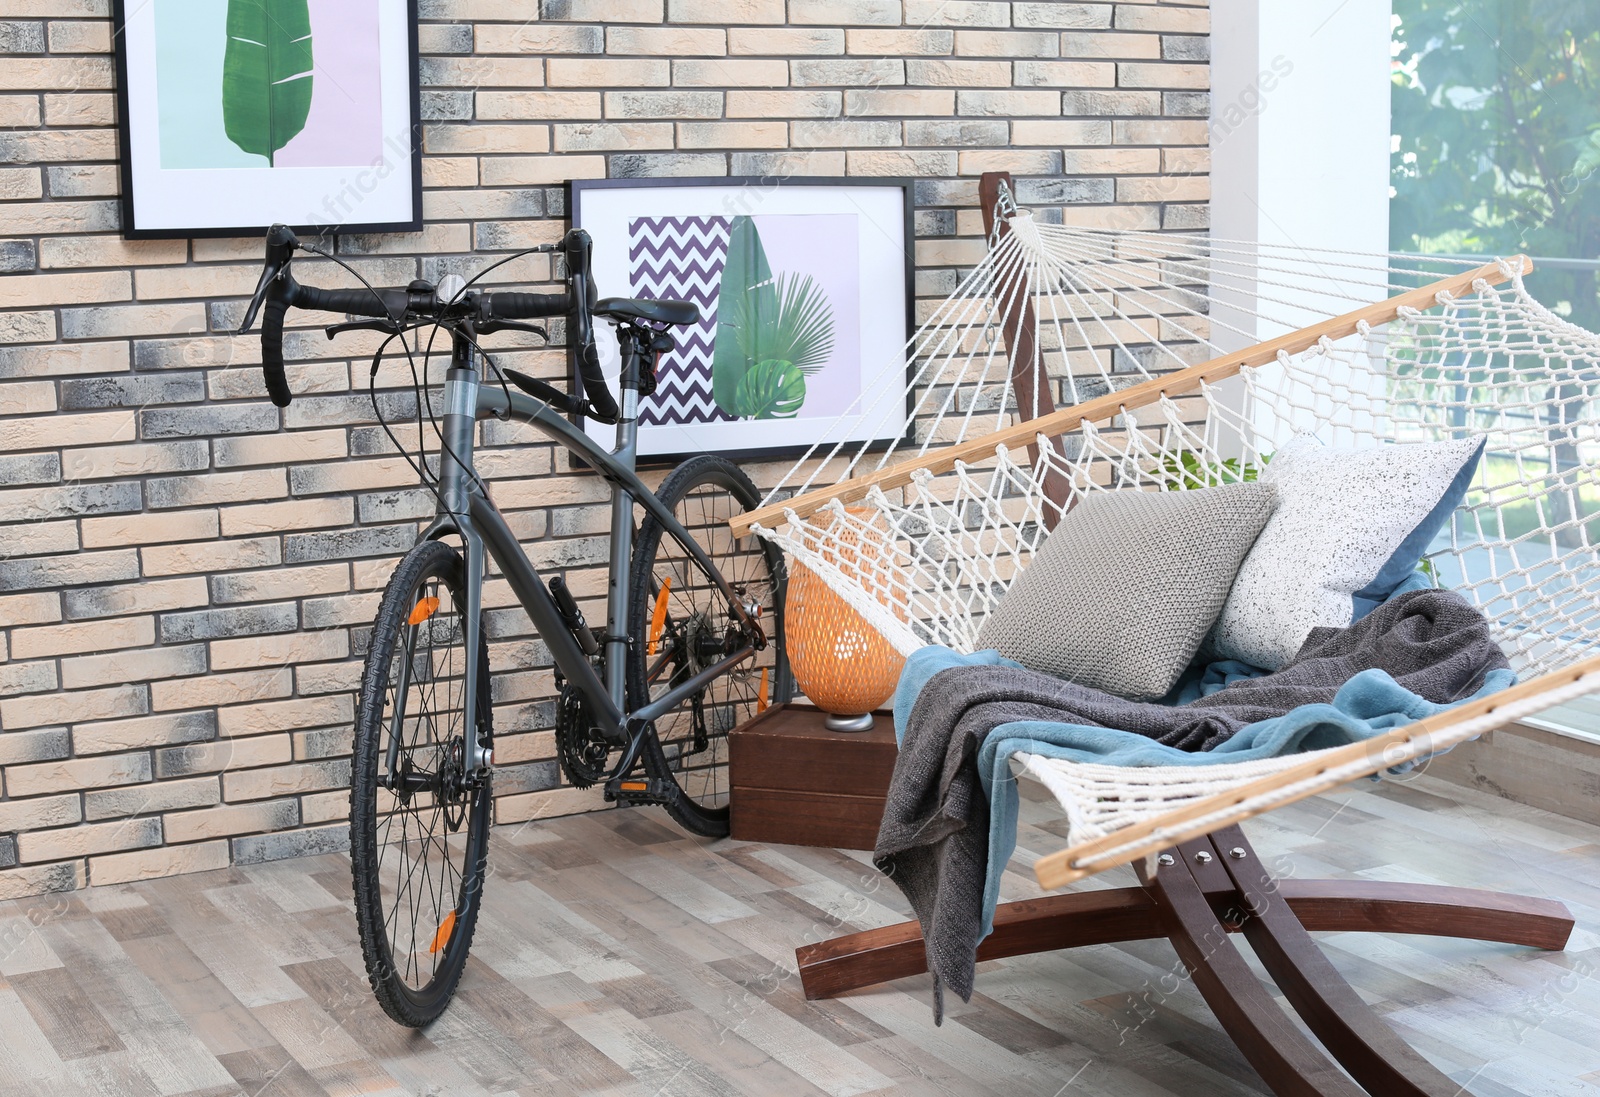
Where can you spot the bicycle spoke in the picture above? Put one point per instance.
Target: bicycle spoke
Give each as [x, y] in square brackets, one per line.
[691, 737]
[421, 875]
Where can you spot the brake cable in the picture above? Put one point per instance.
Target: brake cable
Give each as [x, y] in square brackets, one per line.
[419, 384]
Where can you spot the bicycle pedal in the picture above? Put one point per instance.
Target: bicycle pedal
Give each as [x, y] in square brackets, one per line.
[631, 791]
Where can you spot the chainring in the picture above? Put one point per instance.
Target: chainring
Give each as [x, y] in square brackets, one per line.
[580, 749]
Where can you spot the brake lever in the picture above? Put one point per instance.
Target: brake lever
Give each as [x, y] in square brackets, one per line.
[268, 276]
[489, 327]
[388, 327]
[281, 245]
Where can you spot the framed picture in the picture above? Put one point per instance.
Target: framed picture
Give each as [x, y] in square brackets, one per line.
[804, 289]
[239, 114]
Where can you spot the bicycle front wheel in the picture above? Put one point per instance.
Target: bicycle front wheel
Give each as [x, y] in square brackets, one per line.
[681, 623]
[419, 823]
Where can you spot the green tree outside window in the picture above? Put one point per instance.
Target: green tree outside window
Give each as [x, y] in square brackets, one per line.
[1496, 122]
[1496, 150]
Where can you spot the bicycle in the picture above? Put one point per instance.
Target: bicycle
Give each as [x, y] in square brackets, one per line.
[645, 703]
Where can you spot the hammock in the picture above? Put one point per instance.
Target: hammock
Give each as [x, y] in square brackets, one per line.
[1180, 361]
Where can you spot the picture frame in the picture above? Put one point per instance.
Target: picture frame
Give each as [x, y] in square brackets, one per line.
[213, 142]
[828, 265]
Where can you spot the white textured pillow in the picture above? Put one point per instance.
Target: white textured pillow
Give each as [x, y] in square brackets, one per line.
[1343, 517]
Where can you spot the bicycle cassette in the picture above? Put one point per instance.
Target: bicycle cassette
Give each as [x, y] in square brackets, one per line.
[580, 748]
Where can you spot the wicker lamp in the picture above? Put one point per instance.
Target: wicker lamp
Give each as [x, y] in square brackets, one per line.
[840, 662]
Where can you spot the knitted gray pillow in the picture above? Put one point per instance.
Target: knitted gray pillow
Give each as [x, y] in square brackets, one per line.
[1125, 588]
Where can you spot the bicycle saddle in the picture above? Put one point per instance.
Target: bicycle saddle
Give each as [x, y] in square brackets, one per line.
[660, 312]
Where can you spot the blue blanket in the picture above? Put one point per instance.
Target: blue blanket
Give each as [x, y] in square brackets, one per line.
[1367, 705]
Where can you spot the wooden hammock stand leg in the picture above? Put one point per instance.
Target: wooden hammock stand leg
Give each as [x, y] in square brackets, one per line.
[1217, 886]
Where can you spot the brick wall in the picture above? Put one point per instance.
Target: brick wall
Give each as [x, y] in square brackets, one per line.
[186, 572]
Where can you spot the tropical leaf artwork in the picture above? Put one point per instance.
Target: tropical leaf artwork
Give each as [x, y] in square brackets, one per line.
[772, 332]
[266, 74]
[745, 267]
[771, 389]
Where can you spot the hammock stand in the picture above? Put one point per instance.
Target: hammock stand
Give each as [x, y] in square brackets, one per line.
[1200, 881]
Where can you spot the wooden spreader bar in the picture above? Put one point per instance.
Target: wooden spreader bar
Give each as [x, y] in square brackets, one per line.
[1318, 773]
[1066, 420]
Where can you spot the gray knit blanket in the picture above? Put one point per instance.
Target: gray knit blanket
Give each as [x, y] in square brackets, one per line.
[934, 838]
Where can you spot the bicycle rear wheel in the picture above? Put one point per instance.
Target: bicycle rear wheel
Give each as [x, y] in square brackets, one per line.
[419, 824]
[680, 632]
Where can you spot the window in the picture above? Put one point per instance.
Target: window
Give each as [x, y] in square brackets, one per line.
[1496, 139]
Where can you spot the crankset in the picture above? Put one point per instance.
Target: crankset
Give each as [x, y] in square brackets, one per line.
[580, 748]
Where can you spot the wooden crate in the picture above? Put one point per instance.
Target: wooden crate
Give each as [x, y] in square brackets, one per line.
[796, 783]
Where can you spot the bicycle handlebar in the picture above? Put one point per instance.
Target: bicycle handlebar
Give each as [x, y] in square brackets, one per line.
[580, 284]
[394, 303]
[278, 292]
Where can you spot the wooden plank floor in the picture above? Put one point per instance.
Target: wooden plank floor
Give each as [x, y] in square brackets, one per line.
[616, 955]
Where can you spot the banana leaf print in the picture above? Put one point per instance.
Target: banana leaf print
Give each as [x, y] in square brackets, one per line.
[266, 74]
[772, 333]
[746, 268]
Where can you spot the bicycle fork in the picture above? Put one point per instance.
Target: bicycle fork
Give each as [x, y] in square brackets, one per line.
[455, 488]
[454, 492]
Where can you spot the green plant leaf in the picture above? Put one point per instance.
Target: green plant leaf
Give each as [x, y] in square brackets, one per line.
[266, 74]
[790, 320]
[746, 286]
[782, 326]
[1185, 471]
[771, 389]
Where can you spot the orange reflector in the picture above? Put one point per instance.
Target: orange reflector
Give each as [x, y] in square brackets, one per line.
[633, 786]
[441, 938]
[423, 610]
[658, 619]
[761, 694]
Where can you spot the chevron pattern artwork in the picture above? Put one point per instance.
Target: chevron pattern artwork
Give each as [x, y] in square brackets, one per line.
[681, 258]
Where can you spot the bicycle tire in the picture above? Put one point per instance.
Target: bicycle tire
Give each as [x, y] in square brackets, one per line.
[696, 788]
[395, 973]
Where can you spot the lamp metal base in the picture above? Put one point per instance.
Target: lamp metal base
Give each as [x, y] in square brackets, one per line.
[838, 722]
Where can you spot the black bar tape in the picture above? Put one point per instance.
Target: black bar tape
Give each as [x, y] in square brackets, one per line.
[525, 306]
[386, 303]
[594, 382]
[272, 351]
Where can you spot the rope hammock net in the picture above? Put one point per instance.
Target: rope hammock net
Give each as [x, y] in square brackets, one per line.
[1176, 361]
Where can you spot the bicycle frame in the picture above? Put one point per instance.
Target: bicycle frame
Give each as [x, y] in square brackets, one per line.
[464, 510]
